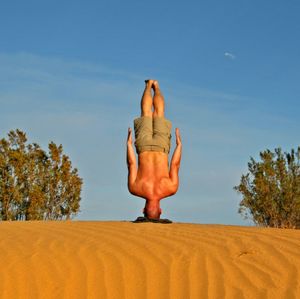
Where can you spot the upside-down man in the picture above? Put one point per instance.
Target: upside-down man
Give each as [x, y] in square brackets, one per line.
[152, 179]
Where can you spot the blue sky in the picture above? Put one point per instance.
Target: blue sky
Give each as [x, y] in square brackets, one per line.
[73, 71]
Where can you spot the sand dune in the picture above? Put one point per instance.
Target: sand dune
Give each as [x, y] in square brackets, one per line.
[146, 260]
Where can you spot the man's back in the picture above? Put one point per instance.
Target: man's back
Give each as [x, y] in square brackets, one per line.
[153, 179]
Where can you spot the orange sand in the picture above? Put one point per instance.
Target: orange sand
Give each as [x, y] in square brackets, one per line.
[126, 260]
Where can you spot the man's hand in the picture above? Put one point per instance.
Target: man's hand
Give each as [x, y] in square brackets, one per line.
[178, 137]
[129, 137]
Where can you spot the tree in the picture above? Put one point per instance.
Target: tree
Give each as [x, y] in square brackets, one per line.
[271, 189]
[35, 185]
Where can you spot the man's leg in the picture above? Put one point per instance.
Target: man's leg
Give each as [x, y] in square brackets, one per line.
[158, 101]
[147, 101]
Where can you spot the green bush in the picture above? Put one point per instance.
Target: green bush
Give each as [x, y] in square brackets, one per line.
[271, 189]
[35, 185]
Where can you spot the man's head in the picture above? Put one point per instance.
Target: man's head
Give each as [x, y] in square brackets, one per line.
[152, 209]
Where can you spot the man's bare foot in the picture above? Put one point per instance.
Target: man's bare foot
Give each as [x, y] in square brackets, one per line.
[155, 85]
[149, 82]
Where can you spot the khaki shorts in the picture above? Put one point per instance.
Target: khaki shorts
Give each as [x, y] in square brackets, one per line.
[152, 134]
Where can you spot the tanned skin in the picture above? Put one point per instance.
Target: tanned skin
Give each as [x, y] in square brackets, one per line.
[152, 178]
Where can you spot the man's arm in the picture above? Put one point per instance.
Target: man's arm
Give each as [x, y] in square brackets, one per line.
[175, 162]
[131, 162]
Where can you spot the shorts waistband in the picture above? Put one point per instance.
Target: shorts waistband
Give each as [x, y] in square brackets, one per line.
[153, 148]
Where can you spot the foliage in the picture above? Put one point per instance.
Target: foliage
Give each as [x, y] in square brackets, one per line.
[35, 185]
[271, 189]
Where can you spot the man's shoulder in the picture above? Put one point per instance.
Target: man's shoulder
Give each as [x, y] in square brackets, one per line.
[167, 186]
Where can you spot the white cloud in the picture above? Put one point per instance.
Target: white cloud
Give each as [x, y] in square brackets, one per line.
[229, 55]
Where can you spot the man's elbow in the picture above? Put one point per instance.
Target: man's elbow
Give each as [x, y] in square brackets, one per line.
[131, 188]
[131, 191]
[174, 189]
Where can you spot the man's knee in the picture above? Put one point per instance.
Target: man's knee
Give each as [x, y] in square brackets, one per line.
[158, 112]
[147, 112]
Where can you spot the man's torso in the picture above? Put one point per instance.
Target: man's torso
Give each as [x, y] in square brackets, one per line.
[153, 179]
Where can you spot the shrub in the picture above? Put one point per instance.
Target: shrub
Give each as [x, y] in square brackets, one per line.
[271, 189]
[35, 185]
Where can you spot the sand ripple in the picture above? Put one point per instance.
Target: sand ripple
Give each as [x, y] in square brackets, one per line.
[126, 260]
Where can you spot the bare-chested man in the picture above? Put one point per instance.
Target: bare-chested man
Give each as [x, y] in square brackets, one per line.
[152, 179]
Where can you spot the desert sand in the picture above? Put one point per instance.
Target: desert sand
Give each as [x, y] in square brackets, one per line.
[77, 259]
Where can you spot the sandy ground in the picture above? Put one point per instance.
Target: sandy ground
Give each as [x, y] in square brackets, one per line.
[146, 260]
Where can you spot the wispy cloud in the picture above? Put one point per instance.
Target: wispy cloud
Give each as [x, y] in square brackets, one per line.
[229, 55]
